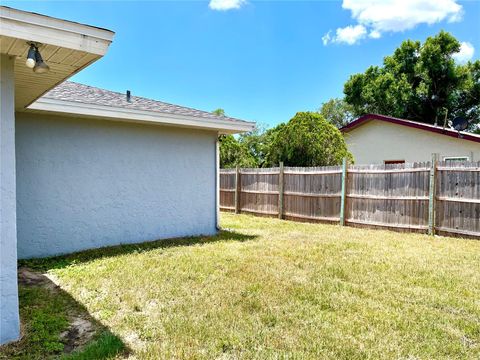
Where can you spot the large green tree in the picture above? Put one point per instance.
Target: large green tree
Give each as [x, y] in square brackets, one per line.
[421, 82]
[306, 140]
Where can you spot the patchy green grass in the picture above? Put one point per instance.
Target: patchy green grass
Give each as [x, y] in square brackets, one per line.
[104, 346]
[267, 288]
[45, 314]
[45, 321]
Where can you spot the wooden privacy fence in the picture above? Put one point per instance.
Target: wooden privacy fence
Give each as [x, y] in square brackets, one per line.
[424, 197]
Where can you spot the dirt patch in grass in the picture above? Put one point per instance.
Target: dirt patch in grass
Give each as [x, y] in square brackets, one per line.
[53, 324]
[29, 277]
[81, 329]
[79, 333]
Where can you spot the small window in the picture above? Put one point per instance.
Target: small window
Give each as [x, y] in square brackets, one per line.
[391, 162]
[455, 159]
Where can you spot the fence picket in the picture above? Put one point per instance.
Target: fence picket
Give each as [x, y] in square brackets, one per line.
[280, 191]
[399, 196]
[432, 196]
[344, 192]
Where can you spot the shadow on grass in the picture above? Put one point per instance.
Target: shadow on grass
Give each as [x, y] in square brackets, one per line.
[62, 261]
[55, 326]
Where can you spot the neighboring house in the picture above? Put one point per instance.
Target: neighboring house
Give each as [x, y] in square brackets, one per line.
[379, 139]
[82, 167]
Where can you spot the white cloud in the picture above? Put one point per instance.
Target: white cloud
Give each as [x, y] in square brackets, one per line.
[326, 38]
[401, 15]
[224, 5]
[375, 34]
[466, 53]
[381, 16]
[350, 34]
[347, 35]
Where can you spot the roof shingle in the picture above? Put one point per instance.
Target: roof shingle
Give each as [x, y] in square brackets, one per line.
[75, 92]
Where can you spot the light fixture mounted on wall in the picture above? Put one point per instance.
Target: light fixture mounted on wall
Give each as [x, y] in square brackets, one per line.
[34, 59]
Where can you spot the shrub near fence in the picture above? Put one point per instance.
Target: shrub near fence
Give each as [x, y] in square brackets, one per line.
[442, 198]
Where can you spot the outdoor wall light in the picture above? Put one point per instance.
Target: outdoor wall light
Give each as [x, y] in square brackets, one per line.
[40, 66]
[35, 61]
[31, 57]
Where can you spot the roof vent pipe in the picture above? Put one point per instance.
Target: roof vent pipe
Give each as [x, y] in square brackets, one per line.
[129, 97]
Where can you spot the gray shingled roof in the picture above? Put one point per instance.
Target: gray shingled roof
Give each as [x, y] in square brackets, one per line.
[75, 92]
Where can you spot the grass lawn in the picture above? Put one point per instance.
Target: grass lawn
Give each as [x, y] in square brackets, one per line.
[266, 288]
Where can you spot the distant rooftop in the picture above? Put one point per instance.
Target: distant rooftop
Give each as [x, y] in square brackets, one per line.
[413, 124]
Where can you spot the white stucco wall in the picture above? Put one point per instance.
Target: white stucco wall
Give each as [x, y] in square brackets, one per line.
[377, 141]
[9, 317]
[86, 183]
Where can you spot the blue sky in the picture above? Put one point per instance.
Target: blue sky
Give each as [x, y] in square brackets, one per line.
[259, 60]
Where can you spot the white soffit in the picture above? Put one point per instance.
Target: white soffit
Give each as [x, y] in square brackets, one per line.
[67, 47]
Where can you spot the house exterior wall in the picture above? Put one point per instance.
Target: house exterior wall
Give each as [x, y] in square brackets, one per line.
[9, 317]
[377, 141]
[84, 183]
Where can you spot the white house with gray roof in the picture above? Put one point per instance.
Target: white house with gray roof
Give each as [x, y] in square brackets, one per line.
[82, 167]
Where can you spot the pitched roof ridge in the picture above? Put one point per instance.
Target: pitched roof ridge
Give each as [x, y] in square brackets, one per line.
[52, 94]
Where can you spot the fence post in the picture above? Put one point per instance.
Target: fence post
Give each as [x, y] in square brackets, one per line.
[344, 192]
[238, 188]
[431, 196]
[280, 191]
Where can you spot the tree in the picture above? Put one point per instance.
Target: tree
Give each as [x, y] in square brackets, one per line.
[421, 82]
[233, 153]
[256, 142]
[219, 112]
[337, 112]
[306, 140]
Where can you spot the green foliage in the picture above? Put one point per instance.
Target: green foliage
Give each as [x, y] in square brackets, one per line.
[337, 112]
[306, 140]
[419, 82]
[234, 152]
[256, 142]
[219, 112]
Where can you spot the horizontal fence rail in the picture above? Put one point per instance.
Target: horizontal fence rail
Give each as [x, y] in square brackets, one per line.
[433, 197]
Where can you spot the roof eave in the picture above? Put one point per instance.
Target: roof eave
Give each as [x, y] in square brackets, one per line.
[139, 116]
[66, 46]
[48, 30]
